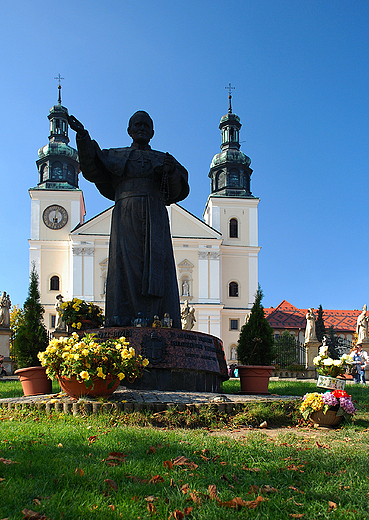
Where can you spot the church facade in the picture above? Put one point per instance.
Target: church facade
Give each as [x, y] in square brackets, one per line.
[216, 258]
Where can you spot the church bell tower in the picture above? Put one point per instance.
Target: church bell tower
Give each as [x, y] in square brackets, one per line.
[57, 207]
[232, 209]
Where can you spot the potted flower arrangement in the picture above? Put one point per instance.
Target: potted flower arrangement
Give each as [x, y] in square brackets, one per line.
[327, 409]
[28, 338]
[81, 315]
[254, 350]
[330, 369]
[84, 366]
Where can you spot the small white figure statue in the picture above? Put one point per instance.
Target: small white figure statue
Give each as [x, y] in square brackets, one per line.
[362, 326]
[60, 324]
[185, 288]
[188, 316]
[5, 305]
[310, 334]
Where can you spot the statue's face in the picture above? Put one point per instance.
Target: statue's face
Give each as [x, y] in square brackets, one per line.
[141, 129]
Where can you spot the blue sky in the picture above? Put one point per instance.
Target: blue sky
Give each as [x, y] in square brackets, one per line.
[300, 71]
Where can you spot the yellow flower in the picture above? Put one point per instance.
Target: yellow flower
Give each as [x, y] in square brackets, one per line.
[121, 376]
[79, 325]
[145, 362]
[84, 375]
[85, 352]
[100, 373]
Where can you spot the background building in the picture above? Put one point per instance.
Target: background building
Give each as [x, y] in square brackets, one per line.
[216, 258]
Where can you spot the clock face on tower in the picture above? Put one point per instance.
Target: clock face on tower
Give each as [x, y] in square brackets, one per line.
[55, 217]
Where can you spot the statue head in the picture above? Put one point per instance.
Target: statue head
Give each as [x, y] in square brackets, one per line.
[141, 127]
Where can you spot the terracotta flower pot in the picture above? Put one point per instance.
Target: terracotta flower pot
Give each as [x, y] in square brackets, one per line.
[34, 380]
[329, 419]
[254, 378]
[100, 388]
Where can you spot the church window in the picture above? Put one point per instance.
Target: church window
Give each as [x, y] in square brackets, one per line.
[233, 325]
[44, 172]
[220, 180]
[54, 283]
[233, 179]
[233, 228]
[233, 289]
[70, 174]
[52, 321]
[57, 170]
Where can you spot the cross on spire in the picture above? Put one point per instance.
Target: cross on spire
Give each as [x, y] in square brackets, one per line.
[59, 78]
[230, 88]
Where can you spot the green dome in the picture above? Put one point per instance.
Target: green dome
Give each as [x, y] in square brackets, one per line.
[230, 155]
[58, 148]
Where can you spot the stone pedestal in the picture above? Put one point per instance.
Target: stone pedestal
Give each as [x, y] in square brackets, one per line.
[312, 350]
[179, 359]
[5, 349]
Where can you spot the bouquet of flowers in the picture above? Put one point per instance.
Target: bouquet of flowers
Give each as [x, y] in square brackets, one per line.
[326, 366]
[72, 312]
[338, 401]
[86, 359]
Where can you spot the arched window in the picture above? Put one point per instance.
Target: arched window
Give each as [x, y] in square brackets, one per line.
[44, 172]
[233, 228]
[233, 289]
[54, 283]
[57, 171]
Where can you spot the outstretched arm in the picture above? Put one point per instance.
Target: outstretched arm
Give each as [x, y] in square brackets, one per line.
[77, 126]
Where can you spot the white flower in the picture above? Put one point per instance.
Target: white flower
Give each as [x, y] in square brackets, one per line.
[328, 361]
[337, 362]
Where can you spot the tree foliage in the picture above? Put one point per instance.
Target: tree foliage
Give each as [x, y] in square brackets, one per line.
[30, 336]
[320, 329]
[256, 339]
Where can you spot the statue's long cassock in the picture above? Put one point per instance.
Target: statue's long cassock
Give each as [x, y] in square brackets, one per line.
[141, 271]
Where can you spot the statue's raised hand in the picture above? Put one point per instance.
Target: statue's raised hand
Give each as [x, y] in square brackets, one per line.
[76, 125]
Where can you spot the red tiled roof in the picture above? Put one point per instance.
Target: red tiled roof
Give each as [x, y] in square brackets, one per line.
[286, 316]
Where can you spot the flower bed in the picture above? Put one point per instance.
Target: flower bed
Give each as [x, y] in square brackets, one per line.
[338, 401]
[74, 312]
[87, 359]
[326, 366]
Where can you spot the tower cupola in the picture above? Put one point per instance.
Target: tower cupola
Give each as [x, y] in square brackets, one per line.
[58, 164]
[230, 170]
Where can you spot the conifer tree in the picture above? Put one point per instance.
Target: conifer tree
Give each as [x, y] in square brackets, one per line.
[31, 334]
[320, 329]
[256, 340]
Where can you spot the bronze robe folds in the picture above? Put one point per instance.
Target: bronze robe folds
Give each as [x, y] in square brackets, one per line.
[141, 272]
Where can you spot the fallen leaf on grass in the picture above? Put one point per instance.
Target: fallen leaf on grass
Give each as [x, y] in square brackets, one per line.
[111, 483]
[332, 505]
[168, 464]
[151, 508]
[322, 445]
[151, 498]
[79, 471]
[213, 492]
[28, 514]
[155, 479]
[138, 479]
[295, 489]
[6, 461]
[151, 450]
[115, 458]
[92, 439]
[250, 469]
[183, 461]
[185, 488]
[296, 515]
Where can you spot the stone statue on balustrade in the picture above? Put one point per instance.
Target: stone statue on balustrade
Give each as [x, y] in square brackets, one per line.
[362, 327]
[5, 305]
[310, 334]
[60, 324]
[188, 316]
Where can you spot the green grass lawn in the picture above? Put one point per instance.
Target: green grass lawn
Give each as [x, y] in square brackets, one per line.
[67, 467]
[107, 466]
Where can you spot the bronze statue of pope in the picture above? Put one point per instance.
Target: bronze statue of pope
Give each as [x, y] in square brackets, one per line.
[141, 271]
